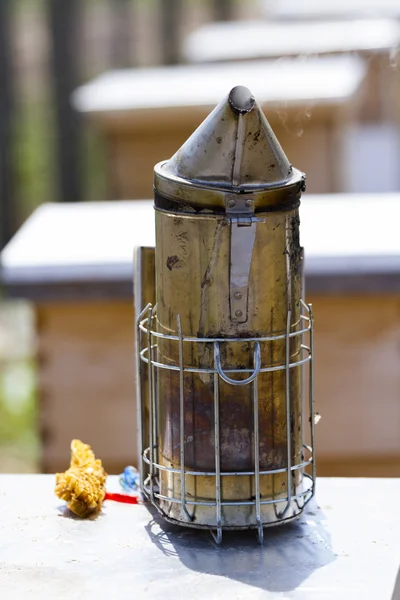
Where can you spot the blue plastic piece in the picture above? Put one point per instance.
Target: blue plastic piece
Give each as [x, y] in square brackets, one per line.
[129, 480]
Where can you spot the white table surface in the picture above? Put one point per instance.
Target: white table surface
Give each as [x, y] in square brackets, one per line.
[346, 546]
[328, 80]
[260, 39]
[343, 235]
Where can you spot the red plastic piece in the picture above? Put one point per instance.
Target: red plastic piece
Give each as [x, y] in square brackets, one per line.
[122, 498]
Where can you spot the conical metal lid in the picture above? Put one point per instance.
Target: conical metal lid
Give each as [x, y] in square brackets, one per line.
[234, 151]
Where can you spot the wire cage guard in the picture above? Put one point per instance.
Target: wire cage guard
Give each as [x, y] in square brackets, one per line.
[151, 467]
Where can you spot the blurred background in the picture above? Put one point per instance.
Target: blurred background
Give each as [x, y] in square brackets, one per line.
[64, 137]
[47, 49]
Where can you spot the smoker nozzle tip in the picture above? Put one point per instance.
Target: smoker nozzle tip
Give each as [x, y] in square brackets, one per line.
[241, 99]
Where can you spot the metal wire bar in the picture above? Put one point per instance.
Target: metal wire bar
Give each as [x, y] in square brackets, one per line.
[235, 502]
[311, 393]
[305, 306]
[288, 413]
[301, 465]
[182, 419]
[304, 347]
[269, 338]
[257, 461]
[218, 503]
[155, 403]
[151, 408]
[144, 352]
[139, 396]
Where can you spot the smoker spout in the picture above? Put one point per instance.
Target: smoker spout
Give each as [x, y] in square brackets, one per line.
[234, 151]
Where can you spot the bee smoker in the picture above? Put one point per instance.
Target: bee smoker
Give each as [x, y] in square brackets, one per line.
[225, 354]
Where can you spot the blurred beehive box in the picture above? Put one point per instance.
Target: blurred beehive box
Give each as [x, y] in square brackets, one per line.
[146, 114]
[372, 140]
[377, 40]
[307, 10]
[74, 262]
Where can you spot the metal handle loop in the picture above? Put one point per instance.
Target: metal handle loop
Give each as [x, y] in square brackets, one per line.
[256, 362]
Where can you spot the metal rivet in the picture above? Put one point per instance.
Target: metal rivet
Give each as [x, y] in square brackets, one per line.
[238, 295]
[231, 203]
[249, 202]
[238, 313]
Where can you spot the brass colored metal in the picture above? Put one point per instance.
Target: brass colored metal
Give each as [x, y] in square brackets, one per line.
[196, 287]
[229, 270]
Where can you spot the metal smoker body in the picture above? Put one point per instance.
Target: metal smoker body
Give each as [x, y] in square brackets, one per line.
[222, 354]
